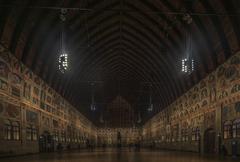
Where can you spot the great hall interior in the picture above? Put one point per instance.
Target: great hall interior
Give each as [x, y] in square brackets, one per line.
[119, 80]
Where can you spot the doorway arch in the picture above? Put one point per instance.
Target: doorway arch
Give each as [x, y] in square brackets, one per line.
[46, 142]
[209, 141]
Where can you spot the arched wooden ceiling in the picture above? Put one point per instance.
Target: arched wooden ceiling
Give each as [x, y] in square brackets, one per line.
[122, 44]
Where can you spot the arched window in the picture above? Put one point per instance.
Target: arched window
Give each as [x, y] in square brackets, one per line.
[236, 128]
[227, 130]
[16, 130]
[8, 130]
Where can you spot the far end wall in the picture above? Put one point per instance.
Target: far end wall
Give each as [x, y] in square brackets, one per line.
[114, 136]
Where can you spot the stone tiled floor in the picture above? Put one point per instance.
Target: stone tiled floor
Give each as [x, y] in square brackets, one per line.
[117, 156]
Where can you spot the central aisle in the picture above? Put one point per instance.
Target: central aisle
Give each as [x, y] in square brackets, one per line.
[113, 155]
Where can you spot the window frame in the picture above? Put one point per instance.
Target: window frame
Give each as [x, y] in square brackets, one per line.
[236, 128]
[12, 130]
[7, 130]
[16, 131]
[32, 133]
[184, 135]
[227, 129]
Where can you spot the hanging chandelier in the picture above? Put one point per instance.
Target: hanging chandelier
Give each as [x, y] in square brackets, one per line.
[188, 62]
[93, 104]
[150, 106]
[63, 56]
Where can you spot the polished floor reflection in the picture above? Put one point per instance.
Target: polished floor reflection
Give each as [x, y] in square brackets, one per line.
[112, 155]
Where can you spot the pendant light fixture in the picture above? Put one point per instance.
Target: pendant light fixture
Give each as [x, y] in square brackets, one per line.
[150, 107]
[63, 56]
[93, 104]
[188, 62]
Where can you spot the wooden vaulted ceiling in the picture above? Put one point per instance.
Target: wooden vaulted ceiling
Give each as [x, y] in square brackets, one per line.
[122, 45]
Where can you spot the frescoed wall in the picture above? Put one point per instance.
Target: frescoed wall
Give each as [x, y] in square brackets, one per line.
[30, 109]
[213, 104]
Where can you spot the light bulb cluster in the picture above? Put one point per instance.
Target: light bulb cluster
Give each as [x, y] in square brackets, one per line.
[187, 65]
[63, 62]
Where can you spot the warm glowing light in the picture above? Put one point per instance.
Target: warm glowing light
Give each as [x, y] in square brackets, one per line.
[63, 62]
[188, 65]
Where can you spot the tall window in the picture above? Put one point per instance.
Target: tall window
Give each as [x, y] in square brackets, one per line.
[16, 130]
[173, 139]
[168, 139]
[163, 138]
[68, 138]
[56, 137]
[27, 90]
[195, 134]
[63, 136]
[8, 130]
[43, 95]
[75, 137]
[227, 130]
[34, 134]
[12, 130]
[79, 137]
[31, 133]
[184, 133]
[28, 133]
[236, 128]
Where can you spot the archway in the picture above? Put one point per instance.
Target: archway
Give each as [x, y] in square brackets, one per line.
[209, 141]
[46, 142]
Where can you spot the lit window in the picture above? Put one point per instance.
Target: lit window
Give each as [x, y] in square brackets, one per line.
[55, 136]
[34, 134]
[16, 130]
[227, 130]
[28, 134]
[63, 62]
[12, 130]
[8, 130]
[236, 128]
[63, 136]
[184, 133]
[188, 65]
[195, 134]
[31, 133]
